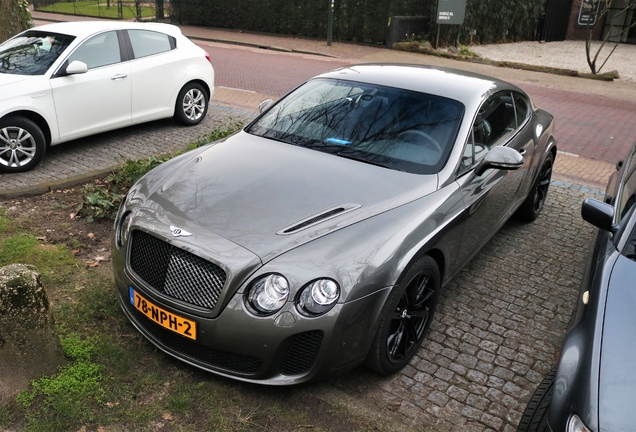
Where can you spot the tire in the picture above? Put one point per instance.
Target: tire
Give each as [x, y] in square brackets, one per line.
[22, 144]
[192, 104]
[406, 317]
[531, 207]
[535, 416]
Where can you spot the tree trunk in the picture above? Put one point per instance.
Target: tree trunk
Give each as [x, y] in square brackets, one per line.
[14, 18]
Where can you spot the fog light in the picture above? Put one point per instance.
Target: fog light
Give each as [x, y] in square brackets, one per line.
[575, 424]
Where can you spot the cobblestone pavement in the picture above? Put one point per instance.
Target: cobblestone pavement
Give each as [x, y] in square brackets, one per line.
[498, 328]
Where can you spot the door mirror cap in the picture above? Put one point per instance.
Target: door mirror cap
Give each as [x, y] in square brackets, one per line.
[598, 213]
[503, 158]
[264, 106]
[76, 67]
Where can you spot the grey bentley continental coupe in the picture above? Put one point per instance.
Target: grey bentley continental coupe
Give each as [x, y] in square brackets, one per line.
[318, 238]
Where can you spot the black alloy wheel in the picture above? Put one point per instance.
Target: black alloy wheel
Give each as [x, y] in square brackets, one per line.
[406, 317]
[532, 206]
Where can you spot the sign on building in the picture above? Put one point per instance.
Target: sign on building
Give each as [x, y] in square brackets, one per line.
[451, 11]
[588, 13]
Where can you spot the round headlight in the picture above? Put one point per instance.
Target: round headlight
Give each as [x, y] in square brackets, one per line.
[123, 233]
[268, 294]
[318, 297]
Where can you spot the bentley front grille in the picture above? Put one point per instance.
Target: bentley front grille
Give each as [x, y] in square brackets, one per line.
[175, 272]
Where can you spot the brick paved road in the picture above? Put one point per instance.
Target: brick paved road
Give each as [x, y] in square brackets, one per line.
[498, 329]
[592, 126]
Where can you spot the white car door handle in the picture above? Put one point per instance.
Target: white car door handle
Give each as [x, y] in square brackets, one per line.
[119, 76]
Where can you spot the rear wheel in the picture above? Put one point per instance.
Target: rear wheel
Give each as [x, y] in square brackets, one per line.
[535, 416]
[531, 207]
[22, 144]
[406, 317]
[192, 104]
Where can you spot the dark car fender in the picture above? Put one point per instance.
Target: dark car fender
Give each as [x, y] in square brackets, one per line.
[577, 379]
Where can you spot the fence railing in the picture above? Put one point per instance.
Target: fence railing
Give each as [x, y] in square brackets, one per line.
[114, 9]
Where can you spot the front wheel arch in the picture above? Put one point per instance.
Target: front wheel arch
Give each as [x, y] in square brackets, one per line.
[405, 317]
[183, 117]
[37, 119]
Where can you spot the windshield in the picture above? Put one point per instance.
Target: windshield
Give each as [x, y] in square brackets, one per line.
[32, 53]
[394, 128]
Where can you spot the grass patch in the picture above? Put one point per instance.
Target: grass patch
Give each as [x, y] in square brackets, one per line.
[466, 51]
[98, 9]
[66, 400]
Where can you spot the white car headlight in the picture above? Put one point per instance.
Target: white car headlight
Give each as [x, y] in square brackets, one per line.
[268, 294]
[575, 424]
[318, 297]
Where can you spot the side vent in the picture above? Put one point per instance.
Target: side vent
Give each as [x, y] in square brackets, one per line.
[317, 218]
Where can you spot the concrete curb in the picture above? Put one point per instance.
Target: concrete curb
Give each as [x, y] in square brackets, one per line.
[253, 45]
[46, 187]
[415, 47]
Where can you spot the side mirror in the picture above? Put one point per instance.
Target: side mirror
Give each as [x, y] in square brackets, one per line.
[503, 158]
[76, 67]
[598, 213]
[264, 106]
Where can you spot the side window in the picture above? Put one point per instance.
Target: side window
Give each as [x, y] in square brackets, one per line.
[521, 107]
[146, 43]
[495, 121]
[628, 196]
[98, 51]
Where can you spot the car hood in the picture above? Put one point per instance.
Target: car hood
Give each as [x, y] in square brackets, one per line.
[6, 79]
[617, 386]
[269, 196]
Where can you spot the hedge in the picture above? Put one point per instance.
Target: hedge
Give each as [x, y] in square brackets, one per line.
[362, 20]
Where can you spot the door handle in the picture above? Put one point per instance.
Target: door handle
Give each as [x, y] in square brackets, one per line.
[119, 76]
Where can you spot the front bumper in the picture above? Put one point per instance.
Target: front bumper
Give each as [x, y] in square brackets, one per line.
[282, 349]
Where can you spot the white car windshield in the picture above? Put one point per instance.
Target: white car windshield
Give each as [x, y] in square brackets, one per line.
[390, 127]
[32, 52]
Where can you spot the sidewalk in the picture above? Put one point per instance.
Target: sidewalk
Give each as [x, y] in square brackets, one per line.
[570, 167]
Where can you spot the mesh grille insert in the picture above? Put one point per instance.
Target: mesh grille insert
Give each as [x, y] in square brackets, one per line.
[302, 352]
[175, 272]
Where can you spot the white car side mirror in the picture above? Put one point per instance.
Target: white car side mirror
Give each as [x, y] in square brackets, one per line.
[263, 106]
[76, 67]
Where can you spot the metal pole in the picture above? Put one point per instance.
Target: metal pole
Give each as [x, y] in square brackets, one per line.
[330, 22]
[437, 39]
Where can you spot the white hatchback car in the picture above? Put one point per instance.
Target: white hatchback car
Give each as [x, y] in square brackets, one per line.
[64, 81]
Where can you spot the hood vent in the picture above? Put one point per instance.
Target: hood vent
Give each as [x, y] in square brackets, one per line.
[317, 218]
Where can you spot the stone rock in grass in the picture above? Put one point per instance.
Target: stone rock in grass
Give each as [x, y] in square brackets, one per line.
[29, 344]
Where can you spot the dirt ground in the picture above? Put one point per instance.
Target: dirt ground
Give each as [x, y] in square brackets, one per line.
[51, 218]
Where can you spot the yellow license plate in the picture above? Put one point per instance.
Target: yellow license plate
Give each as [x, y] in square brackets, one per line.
[177, 324]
